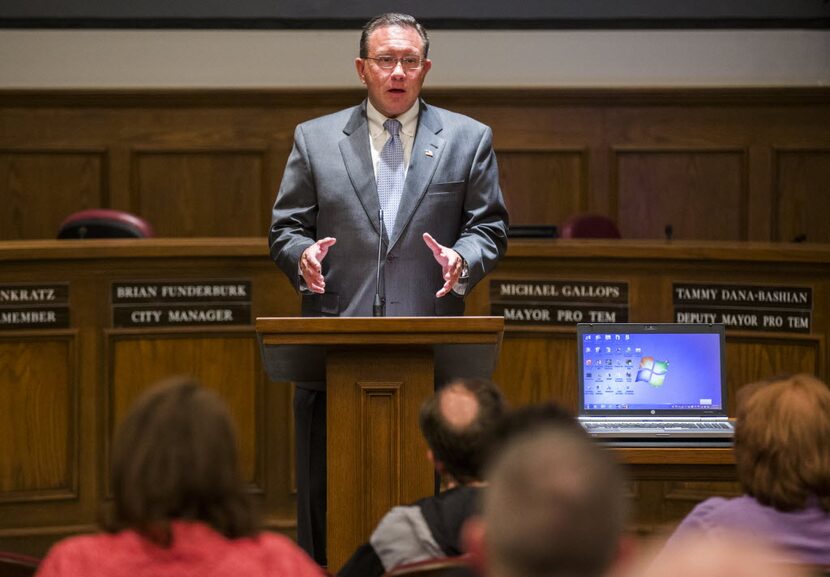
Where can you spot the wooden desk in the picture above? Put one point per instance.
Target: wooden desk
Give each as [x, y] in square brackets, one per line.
[62, 391]
[665, 484]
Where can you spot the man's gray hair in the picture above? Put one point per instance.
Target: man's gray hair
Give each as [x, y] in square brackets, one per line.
[555, 506]
[392, 19]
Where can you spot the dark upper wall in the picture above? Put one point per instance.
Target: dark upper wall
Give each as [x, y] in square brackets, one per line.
[436, 13]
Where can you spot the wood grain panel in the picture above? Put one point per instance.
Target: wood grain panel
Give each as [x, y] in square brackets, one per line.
[40, 188]
[802, 195]
[380, 442]
[751, 358]
[700, 193]
[543, 186]
[38, 428]
[535, 367]
[670, 482]
[201, 127]
[696, 491]
[373, 401]
[535, 364]
[225, 363]
[680, 497]
[646, 506]
[200, 193]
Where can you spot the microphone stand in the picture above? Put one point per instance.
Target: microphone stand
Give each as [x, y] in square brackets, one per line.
[377, 307]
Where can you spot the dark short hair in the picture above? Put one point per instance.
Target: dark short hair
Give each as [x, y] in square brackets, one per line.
[781, 432]
[555, 505]
[463, 451]
[174, 456]
[527, 419]
[391, 19]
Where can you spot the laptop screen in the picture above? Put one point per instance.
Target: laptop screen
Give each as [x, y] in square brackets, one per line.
[628, 369]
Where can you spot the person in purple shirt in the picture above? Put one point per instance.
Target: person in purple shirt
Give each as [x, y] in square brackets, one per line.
[782, 458]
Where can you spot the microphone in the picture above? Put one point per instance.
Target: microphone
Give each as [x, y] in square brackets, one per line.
[377, 307]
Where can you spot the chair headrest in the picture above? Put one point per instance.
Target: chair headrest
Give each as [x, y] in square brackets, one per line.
[590, 226]
[104, 223]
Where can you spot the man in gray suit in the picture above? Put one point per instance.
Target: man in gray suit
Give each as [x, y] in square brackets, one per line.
[418, 181]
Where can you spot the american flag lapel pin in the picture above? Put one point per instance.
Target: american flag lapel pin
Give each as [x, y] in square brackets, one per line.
[428, 152]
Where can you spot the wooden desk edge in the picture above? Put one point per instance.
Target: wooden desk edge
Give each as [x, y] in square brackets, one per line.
[674, 455]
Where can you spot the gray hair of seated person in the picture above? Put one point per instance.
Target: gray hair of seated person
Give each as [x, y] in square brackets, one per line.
[555, 506]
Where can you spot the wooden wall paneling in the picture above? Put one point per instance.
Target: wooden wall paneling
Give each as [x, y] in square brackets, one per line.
[278, 501]
[701, 193]
[649, 290]
[591, 120]
[39, 429]
[801, 202]
[677, 498]
[224, 360]
[374, 410]
[645, 498]
[42, 486]
[752, 357]
[543, 186]
[544, 126]
[201, 192]
[536, 366]
[759, 192]
[39, 187]
[275, 162]
[120, 197]
[668, 486]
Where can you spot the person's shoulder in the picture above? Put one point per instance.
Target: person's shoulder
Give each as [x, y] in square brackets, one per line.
[274, 541]
[72, 554]
[457, 495]
[715, 506]
[275, 545]
[278, 551]
[721, 512]
[83, 543]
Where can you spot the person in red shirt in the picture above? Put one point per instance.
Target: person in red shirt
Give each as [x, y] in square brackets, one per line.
[179, 504]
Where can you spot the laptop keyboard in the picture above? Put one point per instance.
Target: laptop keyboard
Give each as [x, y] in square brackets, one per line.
[657, 426]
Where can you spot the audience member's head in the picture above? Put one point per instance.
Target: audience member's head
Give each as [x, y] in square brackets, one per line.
[529, 418]
[781, 434]
[175, 457]
[554, 506]
[457, 423]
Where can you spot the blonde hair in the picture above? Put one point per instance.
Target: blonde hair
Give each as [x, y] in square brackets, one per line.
[781, 436]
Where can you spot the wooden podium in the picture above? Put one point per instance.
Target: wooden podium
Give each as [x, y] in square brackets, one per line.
[377, 371]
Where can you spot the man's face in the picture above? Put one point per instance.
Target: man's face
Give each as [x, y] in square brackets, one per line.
[393, 91]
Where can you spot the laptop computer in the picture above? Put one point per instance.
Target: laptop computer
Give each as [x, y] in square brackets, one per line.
[643, 384]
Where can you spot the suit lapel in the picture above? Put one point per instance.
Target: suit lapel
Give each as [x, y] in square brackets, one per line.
[426, 152]
[358, 160]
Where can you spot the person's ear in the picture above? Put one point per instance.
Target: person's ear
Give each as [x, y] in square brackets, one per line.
[438, 465]
[360, 66]
[427, 65]
[473, 537]
[627, 555]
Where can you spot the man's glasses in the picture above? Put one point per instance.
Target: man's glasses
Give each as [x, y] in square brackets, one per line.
[390, 62]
